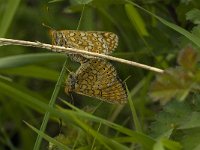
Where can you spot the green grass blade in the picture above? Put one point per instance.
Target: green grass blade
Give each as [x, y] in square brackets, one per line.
[107, 142]
[29, 59]
[7, 139]
[134, 114]
[130, 140]
[171, 145]
[190, 36]
[32, 72]
[21, 94]
[51, 104]
[143, 139]
[136, 20]
[110, 17]
[48, 138]
[8, 15]
[70, 116]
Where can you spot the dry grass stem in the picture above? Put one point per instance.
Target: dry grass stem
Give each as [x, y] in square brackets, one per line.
[4, 41]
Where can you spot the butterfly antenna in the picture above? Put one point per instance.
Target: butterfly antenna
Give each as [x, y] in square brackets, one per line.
[50, 33]
[68, 69]
[72, 99]
[60, 125]
[126, 78]
[100, 103]
[43, 24]
[81, 17]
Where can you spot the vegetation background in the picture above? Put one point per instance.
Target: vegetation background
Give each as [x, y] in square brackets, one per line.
[162, 112]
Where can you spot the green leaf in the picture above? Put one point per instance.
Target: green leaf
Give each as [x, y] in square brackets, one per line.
[171, 145]
[9, 12]
[180, 81]
[137, 137]
[74, 2]
[27, 59]
[73, 117]
[192, 121]
[172, 117]
[195, 39]
[174, 82]
[196, 30]
[189, 138]
[183, 118]
[5, 78]
[48, 138]
[55, 1]
[73, 9]
[136, 20]
[194, 16]
[158, 146]
[188, 58]
[197, 147]
[21, 94]
[60, 138]
[82, 1]
[104, 3]
[134, 114]
[163, 143]
[51, 105]
[33, 72]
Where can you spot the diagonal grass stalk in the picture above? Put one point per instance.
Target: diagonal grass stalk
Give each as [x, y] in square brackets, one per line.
[192, 37]
[51, 104]
[54, 96]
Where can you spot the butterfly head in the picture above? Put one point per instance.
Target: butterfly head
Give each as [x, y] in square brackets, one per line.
[57, 37]
[70, 83]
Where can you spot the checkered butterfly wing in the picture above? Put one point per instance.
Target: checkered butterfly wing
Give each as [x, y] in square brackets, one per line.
[92, 41]
[97, 78]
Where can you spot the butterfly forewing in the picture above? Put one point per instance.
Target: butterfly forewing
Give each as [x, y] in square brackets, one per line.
[92, 41]
[97, 78]
[111, 40]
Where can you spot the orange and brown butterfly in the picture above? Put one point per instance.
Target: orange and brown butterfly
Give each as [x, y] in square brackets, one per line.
[97, 78]
[92, 41]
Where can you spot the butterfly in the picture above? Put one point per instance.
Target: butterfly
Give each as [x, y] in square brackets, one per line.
[92, 41]
[97, 78]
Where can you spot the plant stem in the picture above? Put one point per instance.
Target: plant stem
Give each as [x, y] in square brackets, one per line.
[60, 49]
[51, 104]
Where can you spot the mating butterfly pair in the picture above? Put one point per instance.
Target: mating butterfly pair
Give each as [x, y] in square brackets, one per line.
[96, 77]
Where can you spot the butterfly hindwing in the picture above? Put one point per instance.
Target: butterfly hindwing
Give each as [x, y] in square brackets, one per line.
[98, 78]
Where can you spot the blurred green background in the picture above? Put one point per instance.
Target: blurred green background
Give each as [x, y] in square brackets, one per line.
[28, 73]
